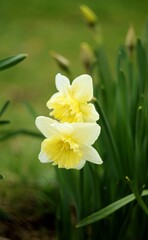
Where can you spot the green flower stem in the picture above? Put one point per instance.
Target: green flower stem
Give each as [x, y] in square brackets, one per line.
[82, 192]
[83, 234]
[109, 134]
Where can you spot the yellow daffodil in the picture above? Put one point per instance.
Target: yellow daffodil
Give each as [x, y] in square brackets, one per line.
[68, 145]
[70, 104]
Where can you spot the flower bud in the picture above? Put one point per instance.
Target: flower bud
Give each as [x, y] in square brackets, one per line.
[88, 15]
[130, 40]
[63, 62]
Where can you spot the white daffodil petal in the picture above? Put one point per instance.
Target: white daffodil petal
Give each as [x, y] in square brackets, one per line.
[86, 133]
[62, 83]
[65, 129]
[91, 155]
[82, 88]
[89, 113]
[46, 126]
[44, 158]
[53, 99]
[80, 164]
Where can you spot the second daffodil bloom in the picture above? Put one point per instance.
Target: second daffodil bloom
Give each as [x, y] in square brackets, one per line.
[70, 104]
[68, 145]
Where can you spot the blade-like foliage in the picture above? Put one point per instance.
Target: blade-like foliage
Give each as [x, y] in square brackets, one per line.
[11, 61]
[104, 212]
[4, 108]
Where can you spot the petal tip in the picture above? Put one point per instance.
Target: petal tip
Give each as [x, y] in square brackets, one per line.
[43, 158]
[37, 120]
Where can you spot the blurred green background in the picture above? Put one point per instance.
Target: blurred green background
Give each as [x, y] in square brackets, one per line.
[36, 27]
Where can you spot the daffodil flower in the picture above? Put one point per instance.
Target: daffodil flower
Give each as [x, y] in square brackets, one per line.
[68, 145]
[70, 103]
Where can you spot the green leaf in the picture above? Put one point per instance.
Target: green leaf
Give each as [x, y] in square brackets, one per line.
[30, 109]
[105, 77]
[4, 108]
[104, 212]
[142, 65]
[1, 177]
[110, 135]
[25, 132]
[145, 34]
[11, 61]
[2, 122]
[137, 195]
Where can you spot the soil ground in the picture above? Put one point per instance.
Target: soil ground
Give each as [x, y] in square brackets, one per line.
[24, 218]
